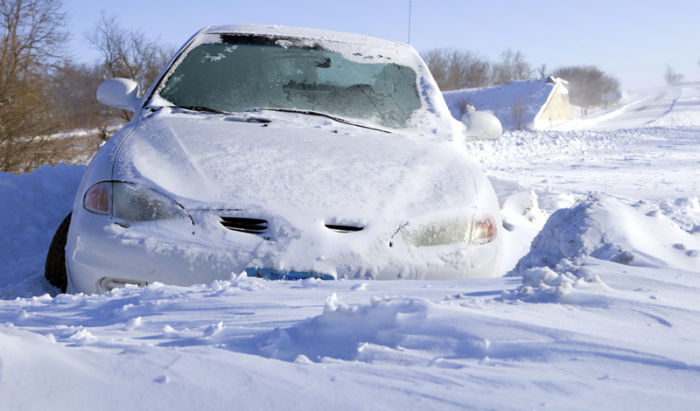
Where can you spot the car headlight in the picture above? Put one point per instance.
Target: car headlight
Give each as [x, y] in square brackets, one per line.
[480, 230]
[131, 203]
[445, 232]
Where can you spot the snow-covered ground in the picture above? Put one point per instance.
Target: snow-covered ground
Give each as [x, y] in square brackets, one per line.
[636, 109]
[600, 311]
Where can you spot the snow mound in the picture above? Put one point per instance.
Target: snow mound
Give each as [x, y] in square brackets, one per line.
[606, 229]
[524, 211]
[555, 270]
[542, 284]
[401, 330]
[349, 333]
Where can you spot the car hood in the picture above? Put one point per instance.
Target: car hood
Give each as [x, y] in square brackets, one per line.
[297, 166]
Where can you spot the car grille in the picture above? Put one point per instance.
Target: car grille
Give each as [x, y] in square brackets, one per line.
[344, 228]
[244, 225]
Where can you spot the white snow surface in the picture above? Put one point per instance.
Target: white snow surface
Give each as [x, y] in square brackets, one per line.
[598, 307]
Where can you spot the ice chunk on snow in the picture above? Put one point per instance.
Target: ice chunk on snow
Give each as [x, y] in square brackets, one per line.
[542, 275]
[332, 303]
[310, 282]
[162, 379]
[359, 287]
[243, 282]
[524, 205]
[212, 330]
[541, 284]
[82, 336]
[133, 324]
[216, 286]
[302, 359]
[688, 202]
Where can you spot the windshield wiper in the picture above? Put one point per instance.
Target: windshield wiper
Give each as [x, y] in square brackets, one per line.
[316, 113]
[202, 108]
[231, 116]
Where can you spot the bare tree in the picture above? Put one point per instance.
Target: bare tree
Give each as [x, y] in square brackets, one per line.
[32, 36]
[671, 76]
[512, 67]
[75, 85]
[518, 113]
[542, 70]
[127, 53]
[45, 97]
[587, 84]
[457, 69]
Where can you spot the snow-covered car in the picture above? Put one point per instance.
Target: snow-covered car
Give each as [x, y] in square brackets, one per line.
[283, 153]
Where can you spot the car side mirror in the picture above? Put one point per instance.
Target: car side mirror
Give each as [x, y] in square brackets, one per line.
[481, 126]
[119, 93]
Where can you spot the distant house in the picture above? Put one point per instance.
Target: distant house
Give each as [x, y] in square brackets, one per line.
[530, 104]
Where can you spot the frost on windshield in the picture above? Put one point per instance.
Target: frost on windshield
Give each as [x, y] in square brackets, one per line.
[236, 78]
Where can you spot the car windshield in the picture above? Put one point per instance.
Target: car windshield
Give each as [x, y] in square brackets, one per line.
[236, 76]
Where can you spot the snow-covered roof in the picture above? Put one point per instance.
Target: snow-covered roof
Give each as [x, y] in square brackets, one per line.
[531, 96]
[282, 31]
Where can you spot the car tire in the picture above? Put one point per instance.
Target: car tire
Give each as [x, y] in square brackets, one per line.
[55, 269]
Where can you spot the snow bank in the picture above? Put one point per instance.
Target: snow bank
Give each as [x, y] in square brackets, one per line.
[32, 207]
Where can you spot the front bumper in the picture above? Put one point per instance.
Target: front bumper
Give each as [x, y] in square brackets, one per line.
[101, 254]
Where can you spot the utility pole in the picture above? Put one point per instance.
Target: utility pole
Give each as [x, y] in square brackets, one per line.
[409, 22]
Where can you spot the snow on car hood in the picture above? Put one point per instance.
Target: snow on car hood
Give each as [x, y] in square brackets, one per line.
[296, 166]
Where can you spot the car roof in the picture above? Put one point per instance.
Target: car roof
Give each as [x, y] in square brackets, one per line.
[302, 33]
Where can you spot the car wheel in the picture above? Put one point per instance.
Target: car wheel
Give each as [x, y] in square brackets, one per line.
[55, 269]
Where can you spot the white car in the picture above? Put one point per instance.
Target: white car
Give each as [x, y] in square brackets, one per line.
[286, 154]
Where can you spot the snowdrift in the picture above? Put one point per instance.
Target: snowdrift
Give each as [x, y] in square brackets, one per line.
[32, 207]
[606, 229]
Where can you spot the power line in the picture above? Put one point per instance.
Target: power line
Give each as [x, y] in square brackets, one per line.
[409, 22]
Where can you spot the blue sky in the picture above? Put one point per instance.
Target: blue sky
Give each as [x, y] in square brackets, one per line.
[633, 40]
